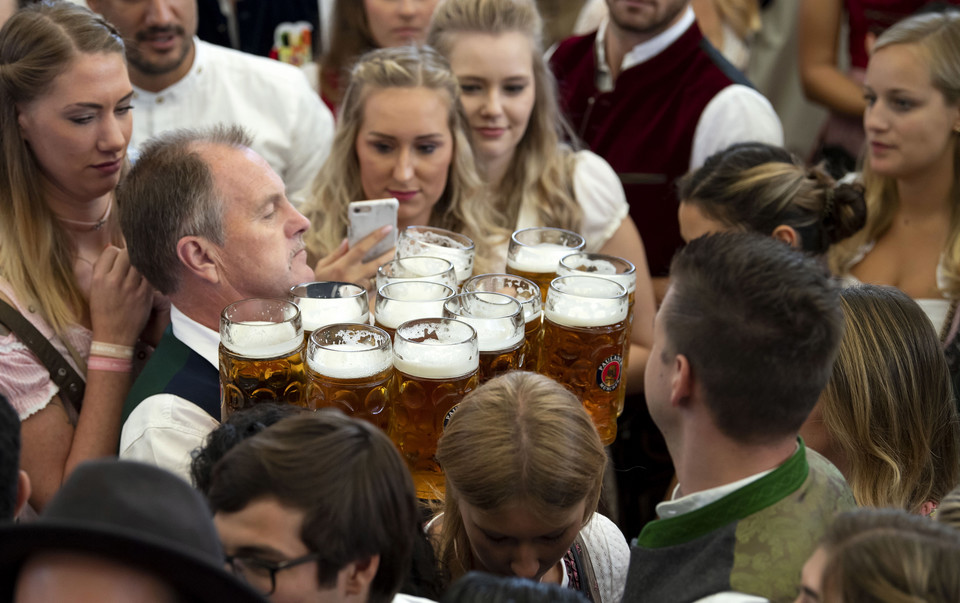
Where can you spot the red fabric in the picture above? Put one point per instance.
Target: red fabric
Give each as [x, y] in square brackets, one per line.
[874, 16]
[644, 127]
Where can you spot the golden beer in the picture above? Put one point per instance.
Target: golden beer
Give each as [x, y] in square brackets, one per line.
[584, 332]
[439, 243]
[417, 268]
[528, 294]
[535, 254]
[408, 300]
[325, 303]
[261, 355]
[498, 321]
[350, 367]
[436, 361]
[615, 269]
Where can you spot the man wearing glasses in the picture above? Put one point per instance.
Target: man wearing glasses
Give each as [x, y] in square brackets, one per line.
[318, 507]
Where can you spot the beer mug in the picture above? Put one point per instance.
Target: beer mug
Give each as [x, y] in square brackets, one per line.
[527, 293]
[436, 362]
[408, 300]
[438, 243]
[584, 331]
[617, 270]
[261, 355]
[498, 321]
[419, 268]
[330, 302]
[535, 253]
[350, 367]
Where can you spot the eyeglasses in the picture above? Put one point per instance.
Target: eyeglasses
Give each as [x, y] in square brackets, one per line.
[262, 575]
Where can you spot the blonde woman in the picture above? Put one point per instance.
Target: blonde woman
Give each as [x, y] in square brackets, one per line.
[524, 466]
[887, 418]
[510, 98]
[763, 188]
[883, 556]
[65, 120]
[401, 134]
[911, 177]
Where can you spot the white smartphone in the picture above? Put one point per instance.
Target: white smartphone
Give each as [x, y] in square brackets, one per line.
[368, 216]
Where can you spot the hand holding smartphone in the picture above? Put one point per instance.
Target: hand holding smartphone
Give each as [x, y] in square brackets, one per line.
[368, 216]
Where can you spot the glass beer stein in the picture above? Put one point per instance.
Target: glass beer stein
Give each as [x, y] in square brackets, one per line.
[436, 362]
[439, 243]
[330, 302]
[261, 355]
[498, 321]
[535, 253]
[584, 331]
[527, 293]
[350, 367]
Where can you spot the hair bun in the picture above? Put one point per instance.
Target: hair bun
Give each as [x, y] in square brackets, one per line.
[845, 211]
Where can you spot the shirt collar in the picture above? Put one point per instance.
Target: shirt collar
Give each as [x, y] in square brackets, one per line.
[691, 502]
[200, 339]
[645, 50]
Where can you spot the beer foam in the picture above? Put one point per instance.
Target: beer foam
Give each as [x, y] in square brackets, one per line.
[435, 244]
[348, 360]
[544, 257]
[494, 335]
[262, 339]
[393, 313]
[433, 358]
[575, 308]
[602, 269]
[317, 313]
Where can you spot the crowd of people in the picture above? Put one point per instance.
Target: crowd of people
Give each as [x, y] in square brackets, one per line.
[791, 427]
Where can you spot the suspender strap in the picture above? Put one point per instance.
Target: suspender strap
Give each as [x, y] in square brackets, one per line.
[70, 383]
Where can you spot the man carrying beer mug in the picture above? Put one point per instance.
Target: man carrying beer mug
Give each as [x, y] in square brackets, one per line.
[207, 222]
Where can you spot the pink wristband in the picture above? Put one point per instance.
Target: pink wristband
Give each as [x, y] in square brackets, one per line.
[113, 365]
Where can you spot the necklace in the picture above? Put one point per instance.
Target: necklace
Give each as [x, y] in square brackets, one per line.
[83, 225]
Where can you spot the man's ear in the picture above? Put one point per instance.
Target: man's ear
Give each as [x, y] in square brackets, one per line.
[23, 492]
[200, 257]
[787, 234]
[681, 386]
[359, 575]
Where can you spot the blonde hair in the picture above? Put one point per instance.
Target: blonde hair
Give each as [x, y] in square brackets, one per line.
[37, 45]
[518, 437]
[889, 405]
[462, 206]
[756, 186]
[937, 38]
[888, 556]
[542, 169]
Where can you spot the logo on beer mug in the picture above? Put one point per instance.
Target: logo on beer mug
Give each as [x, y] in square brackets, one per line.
[608, 373]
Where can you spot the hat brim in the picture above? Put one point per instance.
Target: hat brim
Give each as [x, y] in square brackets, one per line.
[188, 572]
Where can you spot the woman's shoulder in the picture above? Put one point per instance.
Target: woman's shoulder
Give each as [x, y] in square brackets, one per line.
[609, 555]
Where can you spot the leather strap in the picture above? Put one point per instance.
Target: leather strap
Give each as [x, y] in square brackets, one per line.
[70, 383]
[588, 578]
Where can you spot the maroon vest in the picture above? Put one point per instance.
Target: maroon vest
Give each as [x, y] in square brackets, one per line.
[644, 127]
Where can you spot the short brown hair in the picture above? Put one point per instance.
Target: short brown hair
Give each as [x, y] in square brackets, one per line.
[347, 477]
[760, 324]
[171, 193]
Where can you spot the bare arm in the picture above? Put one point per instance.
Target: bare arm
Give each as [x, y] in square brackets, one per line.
[120, 302]
[823, 82]
[626, 243]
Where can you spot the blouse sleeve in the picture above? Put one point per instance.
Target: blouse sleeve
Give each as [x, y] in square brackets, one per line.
[24, 380]
[600, 194]
[609, 555]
